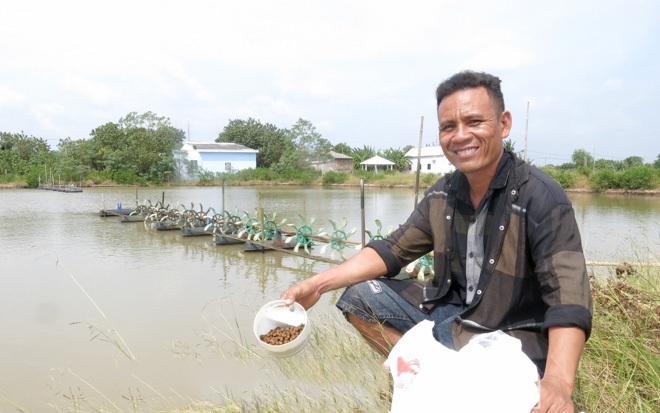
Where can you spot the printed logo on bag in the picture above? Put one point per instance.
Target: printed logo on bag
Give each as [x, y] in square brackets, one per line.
[411, 366]
[375, 287]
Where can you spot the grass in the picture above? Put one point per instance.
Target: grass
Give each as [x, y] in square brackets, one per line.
[336, 372]
[620, 368]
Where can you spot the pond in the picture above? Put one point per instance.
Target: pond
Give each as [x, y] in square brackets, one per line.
[110, 312]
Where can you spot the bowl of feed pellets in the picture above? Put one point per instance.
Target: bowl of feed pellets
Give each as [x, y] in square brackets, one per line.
[282, 330]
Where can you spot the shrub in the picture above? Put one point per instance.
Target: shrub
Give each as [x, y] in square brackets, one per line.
[566, 178]
[332, 177]
[430, 179]
[98, 177]
[640, 177]
[604, 179]
[126, 177]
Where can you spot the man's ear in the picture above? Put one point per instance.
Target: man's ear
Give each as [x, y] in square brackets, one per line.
[505, 123]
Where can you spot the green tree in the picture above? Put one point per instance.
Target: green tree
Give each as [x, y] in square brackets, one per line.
[342, 148]
[306, 145]
[362, 154]
[269, 140]
[657, 162]
[582, 158]
[398, 156]
[633, 162]
[139, 144]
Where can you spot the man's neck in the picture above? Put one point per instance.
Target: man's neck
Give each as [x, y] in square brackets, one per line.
[480, 182]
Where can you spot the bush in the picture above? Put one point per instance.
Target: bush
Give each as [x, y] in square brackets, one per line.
[566, 178]
[295, 175]
[332, 177]
[604, 179]
[98, 177]
[126, 177]
[641, 177]
[430, 179]
[258, 174]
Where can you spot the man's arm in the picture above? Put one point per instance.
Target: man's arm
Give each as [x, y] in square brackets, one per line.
[364, 265]
[565, 346]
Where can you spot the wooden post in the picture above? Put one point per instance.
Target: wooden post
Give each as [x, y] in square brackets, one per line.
[362, 225]
[419, 164]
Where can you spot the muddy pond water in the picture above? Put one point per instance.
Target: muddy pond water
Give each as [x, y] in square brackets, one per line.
[105, 313]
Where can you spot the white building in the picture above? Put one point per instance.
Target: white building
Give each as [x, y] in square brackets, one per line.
[220, 156]
[432, 160]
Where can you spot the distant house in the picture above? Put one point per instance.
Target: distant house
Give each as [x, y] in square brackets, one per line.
[377, 161]
[338, 163]
[220, 156]
[432, 160]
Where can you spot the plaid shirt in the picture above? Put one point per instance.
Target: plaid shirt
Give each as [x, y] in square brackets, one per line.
[533, 275]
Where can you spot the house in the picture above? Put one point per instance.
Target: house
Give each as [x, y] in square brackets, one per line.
[338, 163]
[432, 160]
[377, 161]
[219, 157]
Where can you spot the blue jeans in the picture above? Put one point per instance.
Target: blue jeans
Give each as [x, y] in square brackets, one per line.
[374, 301]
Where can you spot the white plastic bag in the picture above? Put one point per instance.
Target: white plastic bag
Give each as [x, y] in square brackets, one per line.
[491, 373]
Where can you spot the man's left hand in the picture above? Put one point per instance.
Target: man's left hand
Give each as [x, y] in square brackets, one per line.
[554, 397]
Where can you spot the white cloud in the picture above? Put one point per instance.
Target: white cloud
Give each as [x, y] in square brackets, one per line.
[96, 92]
[9, 97]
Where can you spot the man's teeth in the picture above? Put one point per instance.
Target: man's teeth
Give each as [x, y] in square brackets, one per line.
[466, 151]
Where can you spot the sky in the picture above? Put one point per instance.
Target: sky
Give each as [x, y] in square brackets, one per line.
[575, 74]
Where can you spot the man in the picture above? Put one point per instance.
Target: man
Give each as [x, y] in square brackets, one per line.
[508, 254]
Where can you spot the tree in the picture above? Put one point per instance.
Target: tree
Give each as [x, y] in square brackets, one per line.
[269, 140]
[657, 162]
[398, 156]
[342, 148]
[582, 158]
[362, 154]
[633, 161]
[142, 144]
[305, 146]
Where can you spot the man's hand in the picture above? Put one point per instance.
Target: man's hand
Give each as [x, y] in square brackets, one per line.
[565, 346]
[554, 396]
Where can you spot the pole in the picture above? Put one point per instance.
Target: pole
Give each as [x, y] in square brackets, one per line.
[223, 194]
[526, 128]
[419, 162]
[362, 225]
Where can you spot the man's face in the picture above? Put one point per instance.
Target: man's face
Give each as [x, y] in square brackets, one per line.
[471, 131]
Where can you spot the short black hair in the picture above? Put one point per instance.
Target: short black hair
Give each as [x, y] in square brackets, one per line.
[468, 79]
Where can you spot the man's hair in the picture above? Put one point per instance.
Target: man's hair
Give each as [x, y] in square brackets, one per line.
[469, 80]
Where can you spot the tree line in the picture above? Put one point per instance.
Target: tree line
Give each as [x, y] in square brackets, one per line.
[145, 149]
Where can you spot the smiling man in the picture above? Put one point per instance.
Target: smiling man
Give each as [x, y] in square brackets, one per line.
[507, 252]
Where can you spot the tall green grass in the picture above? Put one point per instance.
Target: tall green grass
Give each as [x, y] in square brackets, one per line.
[620, 368]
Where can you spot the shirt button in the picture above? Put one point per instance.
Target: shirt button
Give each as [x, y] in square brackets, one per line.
[421, 306]
[491, 261]
[471, 254]
[448, 281]
[513, 192]
[470, 288]
[478, 292]
[501, 227]
[448, 217]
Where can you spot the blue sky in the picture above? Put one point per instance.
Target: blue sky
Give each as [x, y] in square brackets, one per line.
[363, 72]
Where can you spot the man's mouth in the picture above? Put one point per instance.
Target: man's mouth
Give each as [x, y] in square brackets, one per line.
[465, 152]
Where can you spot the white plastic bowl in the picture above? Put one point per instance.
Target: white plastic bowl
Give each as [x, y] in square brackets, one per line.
[277, 314]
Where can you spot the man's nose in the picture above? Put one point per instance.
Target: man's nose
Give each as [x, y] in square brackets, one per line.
[462, 131]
